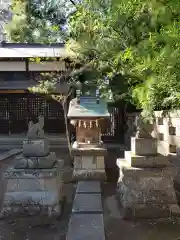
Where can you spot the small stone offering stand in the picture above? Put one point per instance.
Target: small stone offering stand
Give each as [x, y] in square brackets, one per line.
[87, 114]
[34, 183]
[145, 185]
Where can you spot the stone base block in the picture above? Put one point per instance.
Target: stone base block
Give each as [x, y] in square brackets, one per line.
[89, 174]
[36, 162]
[39, 191]
[36, 147]
[89, 162]
[147, 161]
[143, 191]
[19, 180]
[31, 204]
[149, 212]
[143, 146]
[89, 167]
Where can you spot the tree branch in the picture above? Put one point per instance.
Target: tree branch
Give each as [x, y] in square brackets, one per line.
[73, 2]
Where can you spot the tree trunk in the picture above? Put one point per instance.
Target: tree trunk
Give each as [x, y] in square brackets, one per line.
[66, 125]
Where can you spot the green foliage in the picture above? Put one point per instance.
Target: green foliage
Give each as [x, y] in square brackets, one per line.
[135, 43]
[41, 22]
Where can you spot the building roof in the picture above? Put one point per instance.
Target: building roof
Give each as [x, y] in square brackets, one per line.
[28, 50]
[88, 108]
[14, 85]
[25, 85]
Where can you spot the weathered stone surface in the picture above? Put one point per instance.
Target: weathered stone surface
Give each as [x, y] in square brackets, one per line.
[87, 203]
[146, 192]
[100, 162]
[89, 174]
[129, 171]
[147, 161]
[143, 146]
[86, 227]
[131, 194]
[36, 147]
[31, 203]
[29, 189]
[90, 151]
[153, 211]
[88, 187]
[36, 162]
[7, 154]
[163, 148]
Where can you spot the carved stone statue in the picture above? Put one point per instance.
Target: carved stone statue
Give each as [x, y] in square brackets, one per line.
[35, 130]
[143, 130]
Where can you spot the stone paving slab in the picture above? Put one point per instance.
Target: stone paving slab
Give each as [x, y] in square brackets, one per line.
[86, 227]
[87, 203]
[88, 187]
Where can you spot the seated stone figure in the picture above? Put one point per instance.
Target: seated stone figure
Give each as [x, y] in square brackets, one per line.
[143, 130]
[35, 130]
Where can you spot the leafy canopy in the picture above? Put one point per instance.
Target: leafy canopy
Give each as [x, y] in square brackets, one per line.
[135, 43]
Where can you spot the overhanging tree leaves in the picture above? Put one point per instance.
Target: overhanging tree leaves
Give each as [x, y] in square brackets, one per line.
[136, 45]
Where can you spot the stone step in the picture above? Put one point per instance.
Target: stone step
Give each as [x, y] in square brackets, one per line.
[86, 227]
[87, 203]
[88, 187]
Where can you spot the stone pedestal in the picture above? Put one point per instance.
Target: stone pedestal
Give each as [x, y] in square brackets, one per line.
[34, 184]
[36, 147]
[145, 185]
[89, 163]
[33, 192]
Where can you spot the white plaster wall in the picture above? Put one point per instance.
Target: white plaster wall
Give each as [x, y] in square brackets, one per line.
[12, 66]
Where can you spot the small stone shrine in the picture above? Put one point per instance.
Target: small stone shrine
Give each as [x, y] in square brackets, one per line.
[87, 115]
[34, 182]
[145, 185]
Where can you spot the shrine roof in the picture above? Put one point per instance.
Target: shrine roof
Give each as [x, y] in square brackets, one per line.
[28, 50]
[88, 108]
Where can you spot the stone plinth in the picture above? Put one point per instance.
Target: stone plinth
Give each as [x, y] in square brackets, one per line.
[36, 162]
[146, 192]
[35, 147]
[143, 146]
[145, 186]
[149, 161]
[31, 192]
[89, 163]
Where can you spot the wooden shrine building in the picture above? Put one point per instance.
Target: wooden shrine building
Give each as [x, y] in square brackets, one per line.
[17, 73]
[18, 106]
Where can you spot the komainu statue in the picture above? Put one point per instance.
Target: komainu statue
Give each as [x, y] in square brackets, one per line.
[143, 130]
[36, 130]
